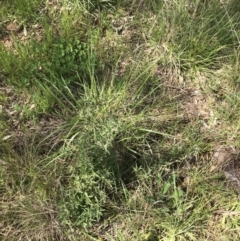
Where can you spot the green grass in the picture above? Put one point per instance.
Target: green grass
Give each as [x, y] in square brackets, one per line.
[118, 120]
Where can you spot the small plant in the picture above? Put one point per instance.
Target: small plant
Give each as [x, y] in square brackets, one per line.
[64, 59]
[57, 59]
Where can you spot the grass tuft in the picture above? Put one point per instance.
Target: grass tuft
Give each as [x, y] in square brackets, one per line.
[119, 120]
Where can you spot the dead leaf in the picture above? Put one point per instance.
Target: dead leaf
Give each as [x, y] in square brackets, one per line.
[6, 137]
[12, 26]
[7, 43]
[227, 213]
[232, 178]
[222, 157]
[25, 31]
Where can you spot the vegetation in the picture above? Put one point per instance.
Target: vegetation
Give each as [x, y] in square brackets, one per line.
[119, 120]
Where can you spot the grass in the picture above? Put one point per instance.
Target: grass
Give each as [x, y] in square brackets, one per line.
[119, 120]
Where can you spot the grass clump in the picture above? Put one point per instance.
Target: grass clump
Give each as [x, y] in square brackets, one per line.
[119, 120]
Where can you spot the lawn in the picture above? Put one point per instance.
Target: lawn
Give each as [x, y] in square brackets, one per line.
[119, 120]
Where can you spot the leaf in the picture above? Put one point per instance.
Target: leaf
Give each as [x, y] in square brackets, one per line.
[25, 31]
[232, 178]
